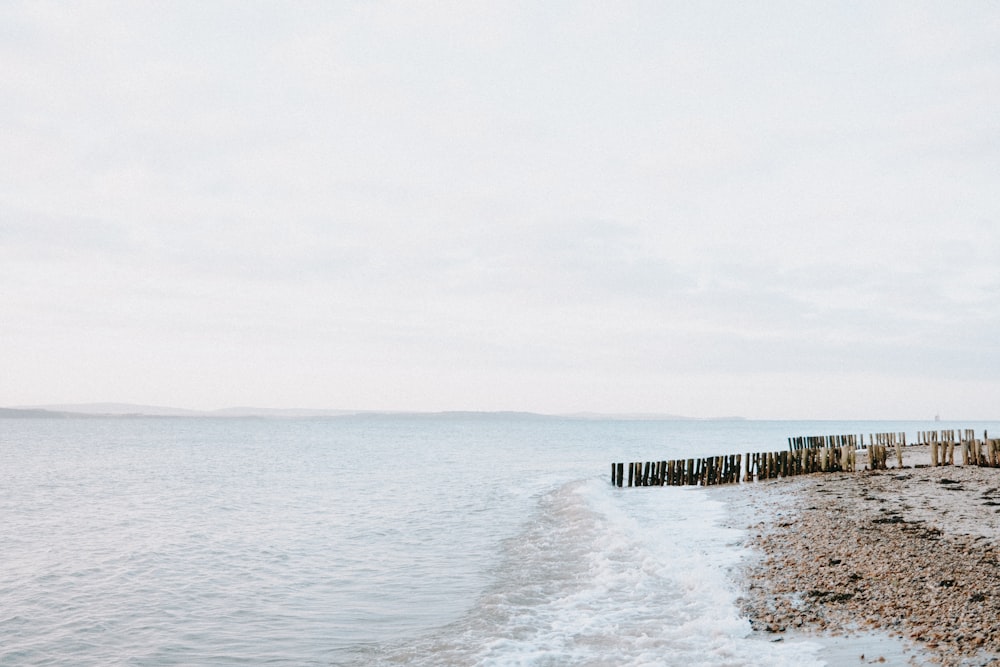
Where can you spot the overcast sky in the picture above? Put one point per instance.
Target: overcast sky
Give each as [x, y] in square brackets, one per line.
[775, 210]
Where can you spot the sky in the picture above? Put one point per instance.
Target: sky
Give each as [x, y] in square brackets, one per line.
[767, 209]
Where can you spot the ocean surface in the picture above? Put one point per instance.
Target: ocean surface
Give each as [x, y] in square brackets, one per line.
[374, 540]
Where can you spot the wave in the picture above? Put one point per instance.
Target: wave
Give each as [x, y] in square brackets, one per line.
[600, 577]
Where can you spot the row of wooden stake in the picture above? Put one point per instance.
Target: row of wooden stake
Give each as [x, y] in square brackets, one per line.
[734, 468]
[681, 472]
[974, 452]
[817, 441]
[851, 440]
[806, 455]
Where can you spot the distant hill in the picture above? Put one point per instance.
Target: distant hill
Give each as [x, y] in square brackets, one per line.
[627, 416]
[116, 409]
[136, 410]
[67, 410]
[32, 413]
[644, 416]
[286, 413]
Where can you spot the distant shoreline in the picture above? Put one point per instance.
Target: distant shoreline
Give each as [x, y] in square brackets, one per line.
[123, 410]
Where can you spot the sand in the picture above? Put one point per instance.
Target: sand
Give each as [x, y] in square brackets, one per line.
[901, 565]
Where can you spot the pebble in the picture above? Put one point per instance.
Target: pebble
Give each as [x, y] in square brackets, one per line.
[914, 553]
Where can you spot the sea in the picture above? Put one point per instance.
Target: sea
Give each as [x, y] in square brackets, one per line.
[449, 539]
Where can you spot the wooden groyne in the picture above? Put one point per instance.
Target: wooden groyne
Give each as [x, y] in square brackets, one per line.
[807, 455]
[820, 441]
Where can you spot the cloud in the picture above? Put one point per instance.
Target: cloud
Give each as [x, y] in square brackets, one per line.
[561, 206]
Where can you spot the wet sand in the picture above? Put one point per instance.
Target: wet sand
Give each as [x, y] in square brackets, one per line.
[901, 565]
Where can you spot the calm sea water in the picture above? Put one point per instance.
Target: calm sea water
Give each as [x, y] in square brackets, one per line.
[460, 540]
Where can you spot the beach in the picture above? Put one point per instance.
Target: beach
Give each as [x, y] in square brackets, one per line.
[900, 566]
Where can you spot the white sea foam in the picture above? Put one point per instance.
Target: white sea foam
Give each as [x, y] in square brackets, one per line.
[596, 578]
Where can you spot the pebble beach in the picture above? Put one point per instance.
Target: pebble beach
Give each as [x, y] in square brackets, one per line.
[908, 556]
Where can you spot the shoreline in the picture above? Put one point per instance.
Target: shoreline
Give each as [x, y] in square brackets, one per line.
[900, 566]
